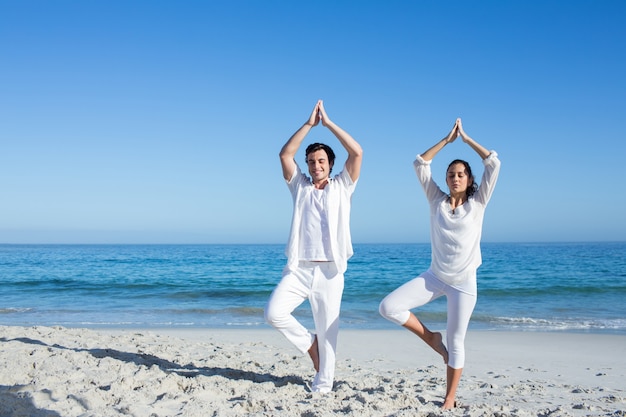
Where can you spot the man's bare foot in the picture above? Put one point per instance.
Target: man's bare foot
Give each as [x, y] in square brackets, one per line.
[437, 344]
[314, 353]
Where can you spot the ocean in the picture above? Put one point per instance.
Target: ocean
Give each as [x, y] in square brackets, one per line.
[571, 287]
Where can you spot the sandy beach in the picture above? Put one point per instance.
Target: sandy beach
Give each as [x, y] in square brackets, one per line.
[55, 371]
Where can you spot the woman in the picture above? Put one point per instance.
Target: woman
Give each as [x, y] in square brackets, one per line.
[455, 227]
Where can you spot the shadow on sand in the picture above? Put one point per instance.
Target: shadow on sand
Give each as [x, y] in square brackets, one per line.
[25, 406]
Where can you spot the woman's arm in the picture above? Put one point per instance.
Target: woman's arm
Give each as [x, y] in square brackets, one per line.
[480, 150]
[434, 150]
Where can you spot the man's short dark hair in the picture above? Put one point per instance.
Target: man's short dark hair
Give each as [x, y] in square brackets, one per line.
[316, 147]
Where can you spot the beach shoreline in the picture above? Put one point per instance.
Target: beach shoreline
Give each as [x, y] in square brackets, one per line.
[57, 371]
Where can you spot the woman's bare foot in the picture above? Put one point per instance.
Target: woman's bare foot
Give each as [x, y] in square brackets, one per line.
[432, 339]
[314, 353]
[437, 344]
[448, 405]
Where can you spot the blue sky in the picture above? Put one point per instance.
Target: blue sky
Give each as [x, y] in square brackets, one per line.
[161, 122]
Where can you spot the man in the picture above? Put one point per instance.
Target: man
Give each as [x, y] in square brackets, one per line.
[319, 245]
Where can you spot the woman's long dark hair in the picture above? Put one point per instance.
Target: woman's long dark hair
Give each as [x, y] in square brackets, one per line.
[471, 189]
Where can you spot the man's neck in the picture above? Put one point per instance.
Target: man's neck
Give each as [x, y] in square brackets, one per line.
[321, 184]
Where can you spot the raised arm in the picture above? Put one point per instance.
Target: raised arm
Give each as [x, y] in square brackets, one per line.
[355, 152]
[289, 149]
[457, 130]
[434, 150]
[480, 150]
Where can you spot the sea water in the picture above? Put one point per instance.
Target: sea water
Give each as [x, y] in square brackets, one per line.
[521, 286]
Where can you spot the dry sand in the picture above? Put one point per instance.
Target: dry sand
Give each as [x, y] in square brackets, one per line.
[55, 371]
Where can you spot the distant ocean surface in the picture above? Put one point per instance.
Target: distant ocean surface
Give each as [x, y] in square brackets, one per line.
[579, 287]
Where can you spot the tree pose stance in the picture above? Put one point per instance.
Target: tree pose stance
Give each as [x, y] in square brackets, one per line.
[319, 245]
[456, 221]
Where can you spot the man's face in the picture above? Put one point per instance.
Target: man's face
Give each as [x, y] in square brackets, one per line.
[319, 167]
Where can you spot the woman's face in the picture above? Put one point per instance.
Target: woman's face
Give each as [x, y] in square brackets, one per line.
[457, 179]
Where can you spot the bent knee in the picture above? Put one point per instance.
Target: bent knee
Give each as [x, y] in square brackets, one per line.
[392, 314]
[274, 316]
[269, 314]
[383, 309]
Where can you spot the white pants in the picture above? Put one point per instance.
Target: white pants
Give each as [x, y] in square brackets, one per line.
[323, 286]
[424, 289]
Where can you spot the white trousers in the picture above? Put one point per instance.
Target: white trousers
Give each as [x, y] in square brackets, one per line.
[320, 283]
[424, 289]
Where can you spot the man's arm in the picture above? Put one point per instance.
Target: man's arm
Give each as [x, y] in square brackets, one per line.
[289, 149]
[355, 152]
